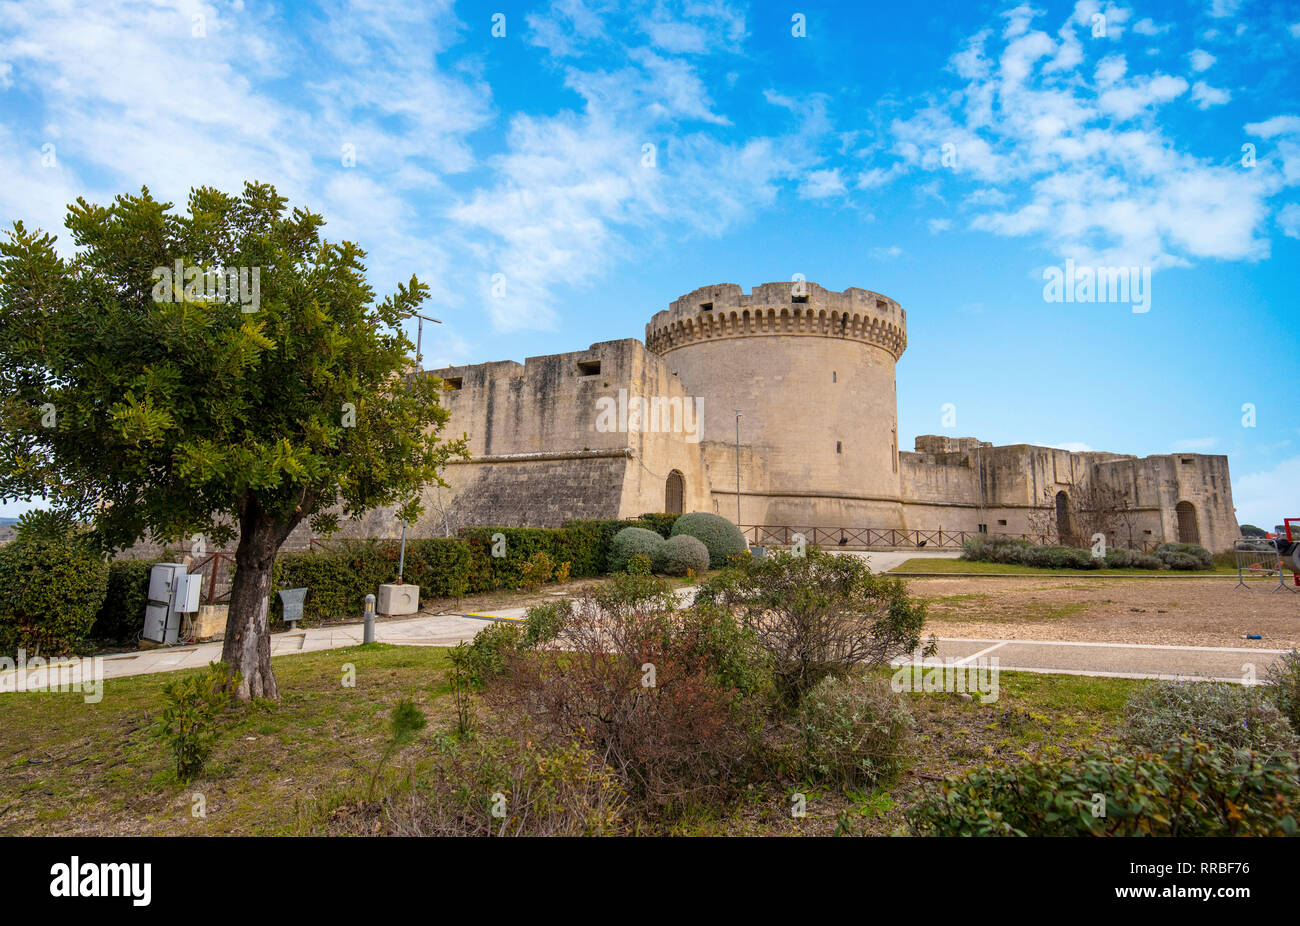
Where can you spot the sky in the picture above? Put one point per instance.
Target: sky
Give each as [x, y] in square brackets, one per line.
[558, 173]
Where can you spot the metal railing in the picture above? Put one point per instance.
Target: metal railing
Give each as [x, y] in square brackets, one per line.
[868, 537]
[1259, 559]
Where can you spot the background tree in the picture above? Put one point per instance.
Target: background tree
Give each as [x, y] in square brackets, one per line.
[164, 408]
[1250, 530]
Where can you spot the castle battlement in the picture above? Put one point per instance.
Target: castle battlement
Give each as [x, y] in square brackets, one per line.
[725, 310]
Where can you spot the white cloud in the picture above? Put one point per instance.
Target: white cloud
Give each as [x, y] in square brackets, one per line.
[822, 184]
[1148, 27]
[1265, 497]
[1288, 219]
[1141, 94]
[1082, 164]
[1278, 125]
[889, 253]
[939, 225]
[1206, 96]
[1202, 60]
[1221, 9]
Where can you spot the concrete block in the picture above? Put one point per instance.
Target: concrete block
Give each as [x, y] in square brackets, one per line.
[210, 622]
[398, 599]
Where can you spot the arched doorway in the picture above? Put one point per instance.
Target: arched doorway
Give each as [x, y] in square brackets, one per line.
[1062, 517]
[673, 492]
[1188, 531]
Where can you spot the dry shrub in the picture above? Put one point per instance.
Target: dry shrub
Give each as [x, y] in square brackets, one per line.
[818, 615]
[643, 685]
[496, 786]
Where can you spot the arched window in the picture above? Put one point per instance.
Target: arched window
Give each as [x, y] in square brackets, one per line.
[1062, 516]
[1188, 531]
[673, 491]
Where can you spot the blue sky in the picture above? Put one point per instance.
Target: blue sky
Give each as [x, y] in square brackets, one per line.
[606, 158]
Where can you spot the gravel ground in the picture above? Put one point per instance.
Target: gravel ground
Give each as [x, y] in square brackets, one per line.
[1188, 612]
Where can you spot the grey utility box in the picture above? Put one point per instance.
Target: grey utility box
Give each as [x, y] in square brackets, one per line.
[172, 593]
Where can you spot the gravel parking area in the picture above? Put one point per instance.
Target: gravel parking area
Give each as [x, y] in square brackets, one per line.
[1186, 612]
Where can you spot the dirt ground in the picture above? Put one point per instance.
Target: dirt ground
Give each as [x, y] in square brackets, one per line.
[1189, 612]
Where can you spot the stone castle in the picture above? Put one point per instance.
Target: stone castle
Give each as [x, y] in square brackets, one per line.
[624, 428]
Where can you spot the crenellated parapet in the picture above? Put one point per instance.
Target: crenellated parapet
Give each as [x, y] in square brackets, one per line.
[795, 308]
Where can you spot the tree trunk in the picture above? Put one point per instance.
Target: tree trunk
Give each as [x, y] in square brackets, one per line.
[247, 646]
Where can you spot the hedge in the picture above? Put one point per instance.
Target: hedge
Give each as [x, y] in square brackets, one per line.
[121, 617]
[52, 584]
[339, 576]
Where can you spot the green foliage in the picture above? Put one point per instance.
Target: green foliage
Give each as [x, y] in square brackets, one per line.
[1283, 676]
[439, 565]
[121, 617]
[546, 621]
[511, 786]
[639, 564]
[488, 572]
[538, 570]
[177, 414]
[1238, 716]
[1250, 530]
[1188, 789]
[817, 615]
[722, 538]
[339, 576]
[53, 580]
[486, 655]
[1132, 559]
[406, 721]
[659, 522]
[587, 543]
[855, 731]
[630, 541]
[995, 549]
[1177, 556]
[189, 719]
[678, 554]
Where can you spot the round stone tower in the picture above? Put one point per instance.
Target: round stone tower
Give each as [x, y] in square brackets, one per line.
[812, 373]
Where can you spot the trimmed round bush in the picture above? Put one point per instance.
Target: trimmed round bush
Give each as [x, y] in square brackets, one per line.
[855, 730]
[1060, 558]
[1183, 561]
[1236, 716]
[52, 584]
[630, 541]
[1131, 559]
[1176, 555]
[722, 538]
[677, 554]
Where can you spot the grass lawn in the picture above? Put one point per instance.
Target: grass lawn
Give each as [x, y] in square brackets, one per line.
[67, 767]
[969, 567]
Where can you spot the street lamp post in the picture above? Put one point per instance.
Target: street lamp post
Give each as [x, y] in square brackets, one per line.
[419, 368]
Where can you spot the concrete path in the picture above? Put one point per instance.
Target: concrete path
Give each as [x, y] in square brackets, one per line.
[1116, 660]
[1110, 660]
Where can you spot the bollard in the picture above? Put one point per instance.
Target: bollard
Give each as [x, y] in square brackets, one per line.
[369, 615]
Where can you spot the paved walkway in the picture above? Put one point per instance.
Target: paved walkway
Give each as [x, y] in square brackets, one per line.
[1120, 660]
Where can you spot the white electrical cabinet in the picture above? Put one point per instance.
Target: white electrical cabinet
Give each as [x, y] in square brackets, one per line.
[172, 593]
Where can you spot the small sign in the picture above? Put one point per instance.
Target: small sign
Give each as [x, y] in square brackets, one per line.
[292, 599]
